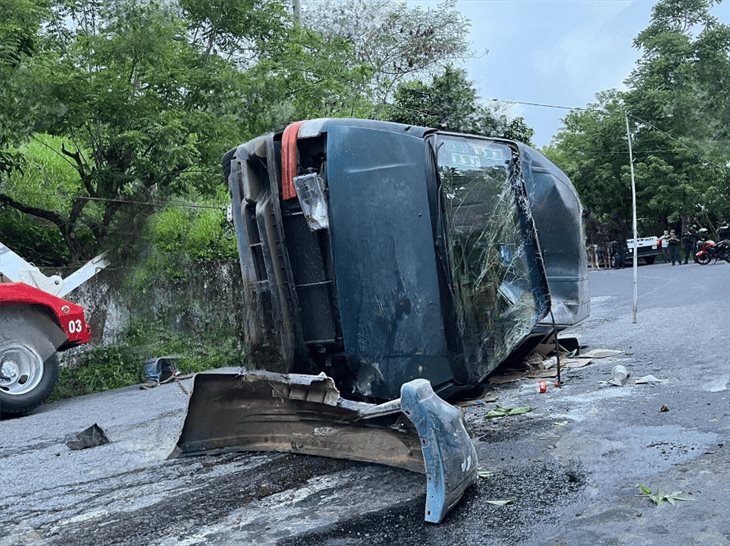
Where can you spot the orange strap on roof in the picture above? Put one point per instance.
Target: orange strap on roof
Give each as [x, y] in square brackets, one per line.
[289, 160]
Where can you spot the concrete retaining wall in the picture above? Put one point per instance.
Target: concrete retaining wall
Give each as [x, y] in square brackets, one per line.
[206, 302]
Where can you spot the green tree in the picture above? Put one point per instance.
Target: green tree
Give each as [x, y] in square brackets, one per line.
[148, 96]
[450, 102]
[44, 180]
[592, 151]
[679, 110]
[20, 22]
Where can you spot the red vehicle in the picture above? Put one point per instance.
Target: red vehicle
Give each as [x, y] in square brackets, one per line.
[709, 250]
[35, 323]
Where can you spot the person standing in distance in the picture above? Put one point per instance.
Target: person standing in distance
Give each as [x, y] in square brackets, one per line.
[674, 247]
[618, 233]
[665, 246]
[689, 241]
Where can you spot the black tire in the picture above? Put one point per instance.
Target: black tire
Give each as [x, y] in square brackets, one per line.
[704, 259]
[26, 334]
[649, 259]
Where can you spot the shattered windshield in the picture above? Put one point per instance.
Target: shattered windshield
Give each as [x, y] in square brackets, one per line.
[495, 307]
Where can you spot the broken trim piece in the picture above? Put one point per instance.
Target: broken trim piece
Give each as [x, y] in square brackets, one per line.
[449, 456]
[266, 411]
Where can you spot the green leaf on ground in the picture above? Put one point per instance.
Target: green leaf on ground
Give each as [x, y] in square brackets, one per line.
[659, 497]
[499, 411]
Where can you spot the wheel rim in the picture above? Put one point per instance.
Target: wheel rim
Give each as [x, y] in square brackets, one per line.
[21, 368]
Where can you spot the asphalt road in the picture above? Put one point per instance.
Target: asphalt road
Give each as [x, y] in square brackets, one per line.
[570, 466]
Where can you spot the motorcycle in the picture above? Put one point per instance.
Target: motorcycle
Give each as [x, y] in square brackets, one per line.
[709, 250]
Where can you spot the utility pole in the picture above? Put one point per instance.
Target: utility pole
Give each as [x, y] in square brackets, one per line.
[297, 12]
[633, 212]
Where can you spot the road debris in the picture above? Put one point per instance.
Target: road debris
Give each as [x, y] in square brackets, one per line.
[499, 412]
[600, 353]
[541, 387]
[534, 360]
[664, 408]
[660, 497]
[550, 362]
[91, 437]
[649, 380]
[542, 363]
[501, 502]
[570, 344]
[572, 363]
[508, 377]
[542, 374]
[484, 473]
[296, 413]
[619, 375]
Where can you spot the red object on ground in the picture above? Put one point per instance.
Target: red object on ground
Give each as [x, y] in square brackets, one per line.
[69, 316]
[542, 386]
[289, 160]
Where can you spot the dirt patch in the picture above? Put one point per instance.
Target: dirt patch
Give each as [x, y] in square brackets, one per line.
[212, 499]
[536, 489]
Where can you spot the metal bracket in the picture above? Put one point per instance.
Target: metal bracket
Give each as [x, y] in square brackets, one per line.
[16, 269]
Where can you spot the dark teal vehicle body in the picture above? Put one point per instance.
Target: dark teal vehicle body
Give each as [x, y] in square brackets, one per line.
[441, 255]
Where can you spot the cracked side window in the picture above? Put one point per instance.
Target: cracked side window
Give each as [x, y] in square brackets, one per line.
[495, 306]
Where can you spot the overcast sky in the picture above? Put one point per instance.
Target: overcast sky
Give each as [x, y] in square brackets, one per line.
[549, 51]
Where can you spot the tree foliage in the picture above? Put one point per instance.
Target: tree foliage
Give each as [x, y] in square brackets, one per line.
[679, 112]
[450, 102]
[135, 101]
[148, 96]
[20, 22]
[394, 40]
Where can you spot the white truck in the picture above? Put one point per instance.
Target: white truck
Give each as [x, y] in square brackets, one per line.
[648, 249]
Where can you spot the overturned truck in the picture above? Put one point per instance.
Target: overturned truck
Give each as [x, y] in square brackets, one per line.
[377, 255]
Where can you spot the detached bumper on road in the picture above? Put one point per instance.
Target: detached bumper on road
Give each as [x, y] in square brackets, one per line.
[265, 411]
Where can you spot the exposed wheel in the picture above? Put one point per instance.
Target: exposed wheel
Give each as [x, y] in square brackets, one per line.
[28, 361]
[649, 260]
[704, 259]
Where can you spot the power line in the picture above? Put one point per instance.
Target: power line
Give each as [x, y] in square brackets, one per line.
[542, 104]
[637, 118]
[678, 141]
[572, 108]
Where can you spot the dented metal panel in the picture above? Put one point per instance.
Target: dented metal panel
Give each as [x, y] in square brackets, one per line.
[264, 411]
[557, 212]
[385, 263]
